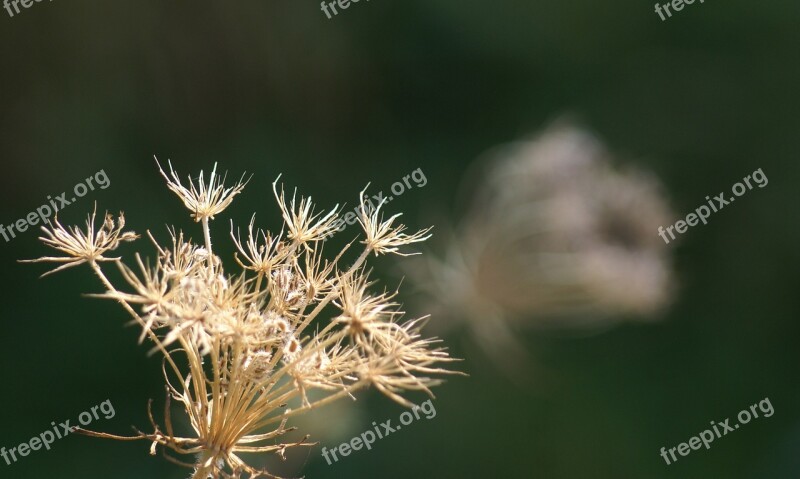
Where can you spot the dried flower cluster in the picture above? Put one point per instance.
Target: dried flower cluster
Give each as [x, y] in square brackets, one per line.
[240, 350]
[556, 236]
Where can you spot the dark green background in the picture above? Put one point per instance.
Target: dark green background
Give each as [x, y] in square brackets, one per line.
[386, 87]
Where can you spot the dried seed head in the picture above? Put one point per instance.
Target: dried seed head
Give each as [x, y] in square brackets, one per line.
[239, 347]
[204, 201]
[384, 237]
[302, 223]
[557, 236]
[262, 252]
[83, 245]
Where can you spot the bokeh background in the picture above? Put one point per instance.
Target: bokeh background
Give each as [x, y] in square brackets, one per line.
[384, 88]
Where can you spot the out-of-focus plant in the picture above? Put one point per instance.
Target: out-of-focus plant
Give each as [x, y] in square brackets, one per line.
[555, 235]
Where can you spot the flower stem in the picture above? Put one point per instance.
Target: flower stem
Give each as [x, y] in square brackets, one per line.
[202, 471]
[207, 235]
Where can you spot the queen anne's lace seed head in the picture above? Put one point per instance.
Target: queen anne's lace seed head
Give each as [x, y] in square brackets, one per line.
[303, 224]
[384, 236]
[84, 245]
[204, 200]
[262, 252]
[557, 236]
[241, 352]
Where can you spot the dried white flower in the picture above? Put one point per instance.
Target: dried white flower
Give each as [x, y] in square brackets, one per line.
[84, 245]
[238, 348]
[383, 236]
[203, 200]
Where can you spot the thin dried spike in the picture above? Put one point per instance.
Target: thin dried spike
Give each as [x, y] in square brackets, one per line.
[168, 413]
[176, 461]
[103, 435]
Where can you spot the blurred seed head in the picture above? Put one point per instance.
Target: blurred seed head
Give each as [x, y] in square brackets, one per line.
[556, 235]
